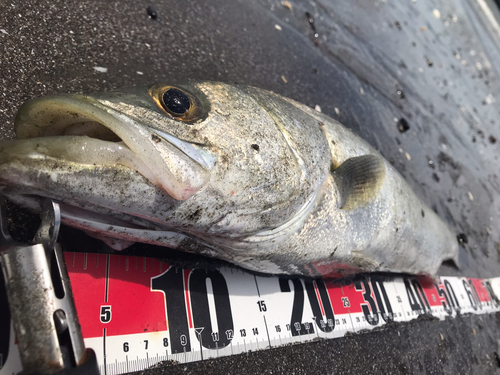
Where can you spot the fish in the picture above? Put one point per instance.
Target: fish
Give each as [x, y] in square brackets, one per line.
[227, 171]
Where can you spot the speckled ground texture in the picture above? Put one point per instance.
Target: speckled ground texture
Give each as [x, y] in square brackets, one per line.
[375, 66]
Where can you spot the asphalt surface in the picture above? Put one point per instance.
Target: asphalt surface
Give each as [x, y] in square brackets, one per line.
[418, 80]
[423, 347]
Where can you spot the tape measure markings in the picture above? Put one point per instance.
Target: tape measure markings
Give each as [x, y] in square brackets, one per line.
[138, 311]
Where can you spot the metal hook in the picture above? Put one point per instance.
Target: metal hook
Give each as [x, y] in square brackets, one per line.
[49, 227]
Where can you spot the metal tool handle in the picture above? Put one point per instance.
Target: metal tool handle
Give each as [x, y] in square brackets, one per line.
[41, 301]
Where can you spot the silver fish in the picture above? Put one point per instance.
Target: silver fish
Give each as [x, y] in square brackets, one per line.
[232, 172]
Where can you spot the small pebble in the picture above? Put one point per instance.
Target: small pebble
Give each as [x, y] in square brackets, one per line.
[152, 12]
[287, 5]
[277, 27]
[317, 108]
[436, 13]
[403, 125]
[284, 79]
[101, 69]
[462, 238]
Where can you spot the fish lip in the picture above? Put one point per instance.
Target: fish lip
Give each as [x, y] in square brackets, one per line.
[53, 115]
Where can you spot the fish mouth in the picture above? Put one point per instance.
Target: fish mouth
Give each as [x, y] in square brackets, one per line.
[84, 130]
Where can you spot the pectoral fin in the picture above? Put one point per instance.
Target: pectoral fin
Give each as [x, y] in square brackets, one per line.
[359, 180]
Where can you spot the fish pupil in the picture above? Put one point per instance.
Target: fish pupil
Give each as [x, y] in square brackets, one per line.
[176, 101]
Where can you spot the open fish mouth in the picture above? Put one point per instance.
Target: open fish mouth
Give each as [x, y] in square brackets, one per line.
[84, 130]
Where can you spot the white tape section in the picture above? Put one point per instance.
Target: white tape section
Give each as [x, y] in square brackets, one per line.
[136, 311]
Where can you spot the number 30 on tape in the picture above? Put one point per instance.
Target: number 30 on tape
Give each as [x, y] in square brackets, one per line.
[136, 311]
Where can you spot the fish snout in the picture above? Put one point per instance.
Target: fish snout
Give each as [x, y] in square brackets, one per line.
[84, 130]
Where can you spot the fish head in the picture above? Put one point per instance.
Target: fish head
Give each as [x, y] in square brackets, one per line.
[204, 159]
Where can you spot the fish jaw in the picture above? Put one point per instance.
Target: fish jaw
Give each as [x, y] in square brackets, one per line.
[139, 147]
[109, 190]
[111, 203]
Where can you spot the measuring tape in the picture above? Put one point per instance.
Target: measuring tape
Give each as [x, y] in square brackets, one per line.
[138, 311]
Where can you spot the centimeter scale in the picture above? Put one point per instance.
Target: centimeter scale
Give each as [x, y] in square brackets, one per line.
[138, 311]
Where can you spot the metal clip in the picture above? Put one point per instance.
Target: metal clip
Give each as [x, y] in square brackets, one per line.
[49, 227]
[40, 298]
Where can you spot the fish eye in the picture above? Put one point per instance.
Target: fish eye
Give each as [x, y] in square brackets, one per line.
[177, 102]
